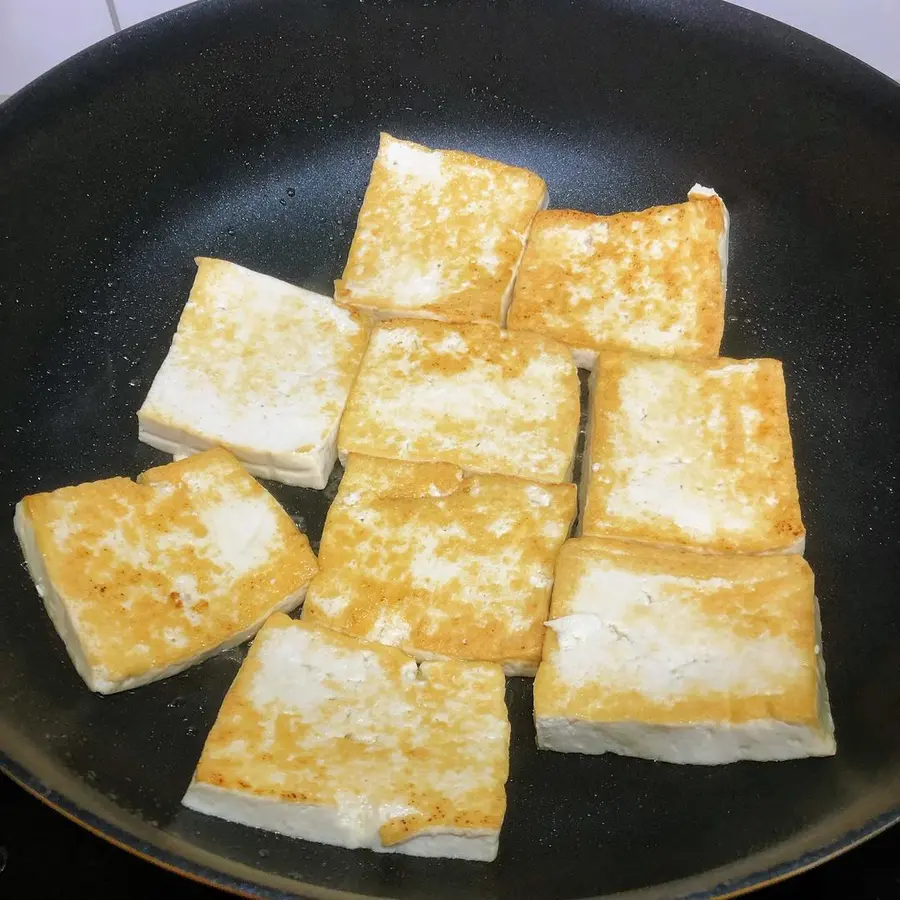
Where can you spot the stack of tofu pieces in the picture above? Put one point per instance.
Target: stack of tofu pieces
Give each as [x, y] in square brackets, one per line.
[679, 625]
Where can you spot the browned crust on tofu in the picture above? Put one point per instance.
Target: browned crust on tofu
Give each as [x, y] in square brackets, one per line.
[486, 400]
[122, 602]
[438, 564]
[648, 281]
[465, 235]
[765, 597]
[674, 442]
[303, 764]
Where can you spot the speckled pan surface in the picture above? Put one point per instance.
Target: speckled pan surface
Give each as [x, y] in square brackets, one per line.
[246, 130]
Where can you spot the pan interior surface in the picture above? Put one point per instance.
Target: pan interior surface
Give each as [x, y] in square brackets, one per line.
[246, 131]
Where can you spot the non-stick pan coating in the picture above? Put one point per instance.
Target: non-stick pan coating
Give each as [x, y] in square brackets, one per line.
[246, 131]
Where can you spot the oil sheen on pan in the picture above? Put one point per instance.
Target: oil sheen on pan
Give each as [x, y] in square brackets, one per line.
[248, 135]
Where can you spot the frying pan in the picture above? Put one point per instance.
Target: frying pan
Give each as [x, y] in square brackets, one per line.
[246, 130]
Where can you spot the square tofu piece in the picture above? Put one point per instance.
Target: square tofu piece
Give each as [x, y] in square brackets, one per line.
[691, 453]
[145, 579]
[260, 367]
[440, 235]
[680, 657]
[418, 556]
[339, 741]
[651, 281]
[480, 398]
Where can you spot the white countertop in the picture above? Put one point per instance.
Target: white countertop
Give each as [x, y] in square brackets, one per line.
[866, 29]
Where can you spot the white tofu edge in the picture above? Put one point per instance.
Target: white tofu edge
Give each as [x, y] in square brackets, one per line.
[584, 357]
[324, 825]
[708, 743]
[518, 668]
[380, 314]
[309, 469]
[343, 453]
[59, 614]
[506, 300]
[512, 668]
[698, 190]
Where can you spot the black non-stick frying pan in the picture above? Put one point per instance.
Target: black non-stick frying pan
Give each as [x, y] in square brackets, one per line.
[246, 130]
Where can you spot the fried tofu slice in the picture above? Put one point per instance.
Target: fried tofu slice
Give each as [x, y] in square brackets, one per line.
[691, 453]
[330, 739]
[480, 398]
[260, 367]
[681, 657]
[440, 235]
[418, 556]
[650, 281]
[143, 579]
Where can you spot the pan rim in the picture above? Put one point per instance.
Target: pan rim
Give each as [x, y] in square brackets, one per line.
[184, 865]
[833, 60]
[705, 13]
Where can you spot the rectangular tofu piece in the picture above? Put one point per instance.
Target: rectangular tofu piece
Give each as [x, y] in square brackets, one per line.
[143, 579]
[418, 556]
[680, 657]
[650, 281]
[334, 740]
[475, 396]
[440, 235]
[260, 367]
[692, 453]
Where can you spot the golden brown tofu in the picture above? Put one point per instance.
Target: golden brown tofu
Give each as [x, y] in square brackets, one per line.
[339, 741]
[650, 281]
[682, 657]
[691, 453]
[261, 367]
[418, 556]
[440, 235]
[145, 579]
[483, 399]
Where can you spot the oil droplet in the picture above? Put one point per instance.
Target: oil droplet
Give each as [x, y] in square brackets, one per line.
[291, 192]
